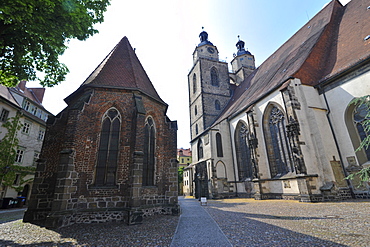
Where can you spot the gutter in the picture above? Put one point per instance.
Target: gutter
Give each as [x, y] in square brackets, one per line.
[336, 142]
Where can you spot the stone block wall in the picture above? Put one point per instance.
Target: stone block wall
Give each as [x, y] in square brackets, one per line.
[65, 192]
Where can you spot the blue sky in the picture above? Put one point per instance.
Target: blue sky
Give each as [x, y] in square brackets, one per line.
[165, 34]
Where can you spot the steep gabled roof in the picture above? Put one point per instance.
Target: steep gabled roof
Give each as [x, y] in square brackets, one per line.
[121, 69]
[320, 49]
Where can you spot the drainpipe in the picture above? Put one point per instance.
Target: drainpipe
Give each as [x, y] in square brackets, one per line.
[336, 141]
[232, 156]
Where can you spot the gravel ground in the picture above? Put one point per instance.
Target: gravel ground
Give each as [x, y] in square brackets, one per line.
[247, 222]
[155, 231]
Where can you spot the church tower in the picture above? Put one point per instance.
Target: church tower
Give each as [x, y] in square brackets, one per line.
[209, 87]
[243, 63]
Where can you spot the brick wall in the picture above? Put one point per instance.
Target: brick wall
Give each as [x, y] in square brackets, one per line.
[64, 184]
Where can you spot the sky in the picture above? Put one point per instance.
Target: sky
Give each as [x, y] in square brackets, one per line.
[165, 34]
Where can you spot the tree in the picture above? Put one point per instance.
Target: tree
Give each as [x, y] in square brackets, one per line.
[364, 173]
[180, 173]
[8, 153]
[33, 33]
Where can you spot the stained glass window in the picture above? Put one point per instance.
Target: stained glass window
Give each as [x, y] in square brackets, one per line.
[280, 158]
[149, 153]
[359, 118]
[243, 152]
[108, 149]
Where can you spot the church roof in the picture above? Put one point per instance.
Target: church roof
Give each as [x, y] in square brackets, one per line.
[121, 68]
[329, 43]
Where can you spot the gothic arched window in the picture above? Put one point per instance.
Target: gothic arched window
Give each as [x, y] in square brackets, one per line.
[214, 77]
[149, 153]
[355, 120]
[194, 83]
[243, 152]
[277, 144]
[108, 149]
[200, 149]
[220, 152]
[217, 105]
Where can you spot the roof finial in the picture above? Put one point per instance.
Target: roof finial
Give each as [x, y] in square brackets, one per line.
[238, 37]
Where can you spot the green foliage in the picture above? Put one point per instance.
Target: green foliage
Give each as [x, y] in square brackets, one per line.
[364, 173]
[33, 33]
[8, 152]
[180, 172]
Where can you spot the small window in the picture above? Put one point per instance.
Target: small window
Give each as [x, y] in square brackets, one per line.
[200, 150]
[217, 105]
[196, 129]
[34, 110]
[194, 83]
[41, 134]
[17, 179]
[26, 128]
[219, 145]
[27, 105]
[4, 115]
[195, 110]
[19, 155]
[214, 77]
[36, 156]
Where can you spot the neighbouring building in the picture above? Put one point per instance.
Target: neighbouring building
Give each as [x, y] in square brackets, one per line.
[184, 157]
[27, 102]
[184, 160]
[110, 155]
[286, 129]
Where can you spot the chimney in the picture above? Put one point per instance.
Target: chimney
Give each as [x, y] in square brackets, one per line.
[38, 93]
[22, 85]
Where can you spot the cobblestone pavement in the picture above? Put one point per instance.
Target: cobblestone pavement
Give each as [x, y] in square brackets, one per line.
[245, 222]
[155, 231]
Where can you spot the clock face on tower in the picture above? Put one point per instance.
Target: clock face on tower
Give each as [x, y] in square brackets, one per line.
[211, 50]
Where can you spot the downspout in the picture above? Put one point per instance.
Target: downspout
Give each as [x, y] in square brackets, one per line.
[336, 141]
[232, 156]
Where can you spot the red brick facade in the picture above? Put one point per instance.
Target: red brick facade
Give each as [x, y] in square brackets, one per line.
[64, 190]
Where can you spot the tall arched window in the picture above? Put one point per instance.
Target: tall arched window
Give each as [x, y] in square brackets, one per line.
[200, 149]
[217, 105]
[355, 120]
[277, 144]
[243, 153]
[194, 83]
[108, 149]
[220, 152]
[149, 153]
[214, 77]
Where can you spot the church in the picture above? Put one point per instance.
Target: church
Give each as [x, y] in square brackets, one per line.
[287, 129]
[110, 155]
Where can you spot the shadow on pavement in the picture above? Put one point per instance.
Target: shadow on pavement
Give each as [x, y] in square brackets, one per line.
[241, 230]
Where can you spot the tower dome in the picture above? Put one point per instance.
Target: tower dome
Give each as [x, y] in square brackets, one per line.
[241, 50]
[204, 38]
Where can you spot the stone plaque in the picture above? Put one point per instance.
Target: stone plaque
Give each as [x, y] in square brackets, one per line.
[338, 173]
[351, 161]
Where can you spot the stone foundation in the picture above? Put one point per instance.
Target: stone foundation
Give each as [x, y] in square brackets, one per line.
[70, 217]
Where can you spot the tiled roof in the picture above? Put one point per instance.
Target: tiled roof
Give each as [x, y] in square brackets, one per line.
[4, 93]
[324, 46]
[122, 69]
